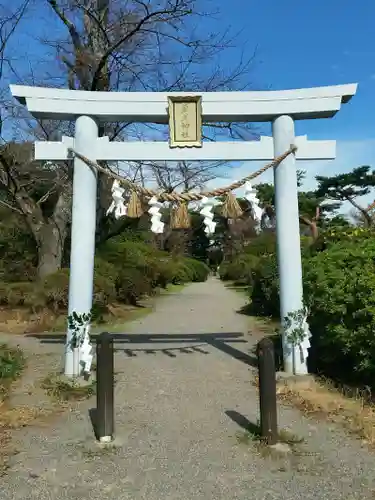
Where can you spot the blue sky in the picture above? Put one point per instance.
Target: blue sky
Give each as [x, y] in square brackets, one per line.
[316, 43]
[307, 44]
[299, 44]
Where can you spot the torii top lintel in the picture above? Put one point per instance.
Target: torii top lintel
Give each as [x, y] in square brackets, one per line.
[64, 104]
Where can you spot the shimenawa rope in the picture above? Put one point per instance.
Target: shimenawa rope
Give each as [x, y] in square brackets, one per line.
[188, 196]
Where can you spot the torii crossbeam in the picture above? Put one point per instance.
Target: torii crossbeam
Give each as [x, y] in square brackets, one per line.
[262, 150]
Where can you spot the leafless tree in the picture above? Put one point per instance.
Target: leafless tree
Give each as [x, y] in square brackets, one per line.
[102, 45]
[181, 175]
[142, 45]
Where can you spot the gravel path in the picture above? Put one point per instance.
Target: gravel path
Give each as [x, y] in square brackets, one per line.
[179, 402]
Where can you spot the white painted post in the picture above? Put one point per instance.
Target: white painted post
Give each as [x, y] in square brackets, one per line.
[83, 228]
[288, 237]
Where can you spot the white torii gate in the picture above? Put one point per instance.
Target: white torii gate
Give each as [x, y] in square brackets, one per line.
[88, 109]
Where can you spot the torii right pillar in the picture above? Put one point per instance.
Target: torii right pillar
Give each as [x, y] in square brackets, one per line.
[288, 239]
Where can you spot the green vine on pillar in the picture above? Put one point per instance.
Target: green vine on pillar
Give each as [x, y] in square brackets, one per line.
[294, 325]
[77, 324]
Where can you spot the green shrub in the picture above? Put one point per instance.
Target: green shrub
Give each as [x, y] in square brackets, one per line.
[138, 256]
[55, 290]
[131, 284]
[12, 363]
[52, 292]
[21, 294]
[264, 287]
[105, 269]
[199, 271]
[263, 244]
[125, 271]
[329, 237]
[181, 272]
[128, 253]
[339, 288]
[239, 269]
[18, 251]
[167, 270]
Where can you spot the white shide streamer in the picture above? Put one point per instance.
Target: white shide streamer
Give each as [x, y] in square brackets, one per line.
[118, 203]
[305, 343]
[157, 226]
[251, 197]
[85, 350]
[207, 206]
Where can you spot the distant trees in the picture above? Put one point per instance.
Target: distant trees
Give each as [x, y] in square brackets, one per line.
[347, 187]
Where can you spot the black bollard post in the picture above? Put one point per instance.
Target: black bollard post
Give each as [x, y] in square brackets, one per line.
[267, 391]
[104, 388]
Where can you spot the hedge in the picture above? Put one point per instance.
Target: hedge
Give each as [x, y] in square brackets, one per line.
[125, 271]
[240, 267]
[339, 290]
[339, 285]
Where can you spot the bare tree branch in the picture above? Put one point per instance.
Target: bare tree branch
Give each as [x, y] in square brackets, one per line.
[115, 45]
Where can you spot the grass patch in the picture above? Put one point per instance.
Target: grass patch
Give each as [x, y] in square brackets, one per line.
[319, 397]
[246, 437]
[268, 326]
[288, 444]
[12, 363]
[288, 437]
[20, 320]
[253, 435]
[63, 389]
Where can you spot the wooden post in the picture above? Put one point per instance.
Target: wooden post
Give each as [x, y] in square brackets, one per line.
[105, 388]
[267, 391]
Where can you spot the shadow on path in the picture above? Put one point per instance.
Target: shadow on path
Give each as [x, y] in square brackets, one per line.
[243, 422]
[123, 343]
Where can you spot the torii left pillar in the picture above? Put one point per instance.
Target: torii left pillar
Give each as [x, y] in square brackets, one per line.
[83, 227]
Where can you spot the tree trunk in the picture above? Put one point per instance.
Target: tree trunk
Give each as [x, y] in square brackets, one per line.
[367, 217]
[313, 226]
[49, 232]
[314, 230]
[50, 249]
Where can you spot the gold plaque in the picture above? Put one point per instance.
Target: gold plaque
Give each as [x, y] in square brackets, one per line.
[185, 121]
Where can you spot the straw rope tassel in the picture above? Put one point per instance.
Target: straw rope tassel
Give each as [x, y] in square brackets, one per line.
[135, 206]
[231, 208]
[180, 218]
